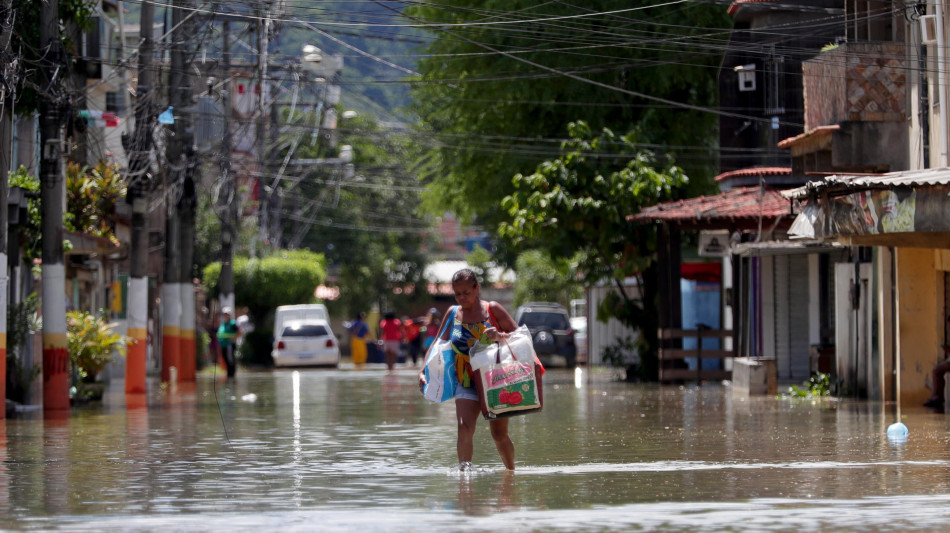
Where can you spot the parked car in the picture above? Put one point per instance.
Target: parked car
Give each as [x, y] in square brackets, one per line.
[579, 325]
[286, 313]
[308, 342]
[551, 332]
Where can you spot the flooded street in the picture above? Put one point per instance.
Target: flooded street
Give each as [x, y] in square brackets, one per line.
[335, 450]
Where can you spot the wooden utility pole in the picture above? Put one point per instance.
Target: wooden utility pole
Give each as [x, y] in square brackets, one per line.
[138, 151]
[6, 137]
[52, 191]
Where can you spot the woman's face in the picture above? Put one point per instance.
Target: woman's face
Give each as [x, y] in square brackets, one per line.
[466, 293]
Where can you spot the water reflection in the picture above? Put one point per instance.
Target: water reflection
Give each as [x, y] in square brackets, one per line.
[357, 448]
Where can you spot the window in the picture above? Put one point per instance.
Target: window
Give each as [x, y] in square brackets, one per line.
[305, 330]
[112, 102]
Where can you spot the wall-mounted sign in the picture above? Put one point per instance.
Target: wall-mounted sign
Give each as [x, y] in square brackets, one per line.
[713, 243]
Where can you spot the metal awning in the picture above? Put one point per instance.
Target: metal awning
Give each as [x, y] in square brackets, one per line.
[844, 183]
[774, 248]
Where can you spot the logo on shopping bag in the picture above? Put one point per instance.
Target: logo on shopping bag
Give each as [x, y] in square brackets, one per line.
[522, 394]
[509, 374]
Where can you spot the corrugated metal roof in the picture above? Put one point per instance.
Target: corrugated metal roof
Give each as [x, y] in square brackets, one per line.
[844, 182]
[738, 203]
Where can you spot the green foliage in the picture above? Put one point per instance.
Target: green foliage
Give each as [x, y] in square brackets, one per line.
[543, 279]
[284, 278]
[91, 198]
[480, 261]
[22, 321]
[208, 233]
[819, 384]
[577, 206]
[31, 233]
[367, 226]
[623, 354]
[92, 343]
[496, 113]
[255, 349]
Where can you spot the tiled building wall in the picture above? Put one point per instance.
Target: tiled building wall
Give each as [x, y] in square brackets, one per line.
[855, 82]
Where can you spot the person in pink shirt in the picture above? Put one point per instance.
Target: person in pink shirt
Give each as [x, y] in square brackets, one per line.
[391, 328]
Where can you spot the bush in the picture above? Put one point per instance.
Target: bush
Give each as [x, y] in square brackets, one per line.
[623, 353]
[255, 349]
[92, 344]
[22, 321]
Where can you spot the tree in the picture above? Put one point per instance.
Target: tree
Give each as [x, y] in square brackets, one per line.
[495, 94]
[577, 206]
[284, 278]
[542, 278]
[367, 224]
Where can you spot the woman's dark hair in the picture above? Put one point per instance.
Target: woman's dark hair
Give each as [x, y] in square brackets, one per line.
[360, 316]
[465, 274]
[390, 315]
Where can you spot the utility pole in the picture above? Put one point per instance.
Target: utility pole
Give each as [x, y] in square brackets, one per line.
[138, 151]
[178, 161]
[187, 201]
[263, 153]
[227, 198]
[52, 187]
[6, 135]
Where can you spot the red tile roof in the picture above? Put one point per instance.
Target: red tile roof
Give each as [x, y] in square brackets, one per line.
[739, 205]
[759, 171]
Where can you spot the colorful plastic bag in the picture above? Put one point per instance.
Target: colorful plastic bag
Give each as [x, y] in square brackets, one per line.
[508, 376]
[439, 369]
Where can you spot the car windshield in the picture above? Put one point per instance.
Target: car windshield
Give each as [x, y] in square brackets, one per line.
[305, 330]
[544, 320]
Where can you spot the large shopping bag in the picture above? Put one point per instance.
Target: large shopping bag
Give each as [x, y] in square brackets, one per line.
[439, 370]
[508, 376]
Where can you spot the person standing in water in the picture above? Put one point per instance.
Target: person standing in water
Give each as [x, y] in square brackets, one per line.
[391, 328]
[473, 319]
[359, 330]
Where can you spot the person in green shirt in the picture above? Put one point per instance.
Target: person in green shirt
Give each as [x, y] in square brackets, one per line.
[228, 334]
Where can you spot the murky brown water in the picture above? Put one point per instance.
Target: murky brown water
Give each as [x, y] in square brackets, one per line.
[341, 450]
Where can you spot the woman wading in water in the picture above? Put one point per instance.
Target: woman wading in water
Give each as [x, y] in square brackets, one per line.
[472, 319]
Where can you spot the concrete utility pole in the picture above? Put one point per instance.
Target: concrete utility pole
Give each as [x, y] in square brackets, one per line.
[227, 198]
[263, 153]
[52, 185]
[6, 135]
[187, 202]
[139, 146]
[179, 160]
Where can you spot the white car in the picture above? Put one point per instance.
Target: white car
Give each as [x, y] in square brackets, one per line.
[308, 342]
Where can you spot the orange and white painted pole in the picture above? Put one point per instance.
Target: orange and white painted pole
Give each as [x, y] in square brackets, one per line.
[137, 352]
[52, 198]
[187, 356]
[171, 331]
[55, 344]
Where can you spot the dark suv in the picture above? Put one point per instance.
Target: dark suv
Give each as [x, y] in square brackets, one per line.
[550, 328]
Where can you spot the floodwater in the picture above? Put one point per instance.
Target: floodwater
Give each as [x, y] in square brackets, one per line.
[347, 449]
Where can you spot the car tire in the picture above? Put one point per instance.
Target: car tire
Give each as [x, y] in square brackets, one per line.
[544, 340]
